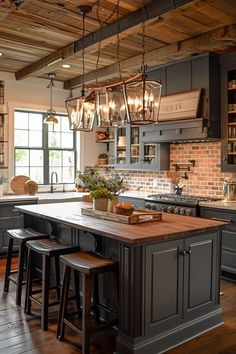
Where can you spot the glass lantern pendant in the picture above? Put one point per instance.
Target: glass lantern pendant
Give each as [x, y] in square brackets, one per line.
[142, 101]
[110, 107]
[81, 112]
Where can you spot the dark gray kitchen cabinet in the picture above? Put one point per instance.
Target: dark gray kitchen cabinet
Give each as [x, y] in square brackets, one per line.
[184, 282]
[228, 112]
[228, 253]
[198, 72]
[131, 152]
[10, 218]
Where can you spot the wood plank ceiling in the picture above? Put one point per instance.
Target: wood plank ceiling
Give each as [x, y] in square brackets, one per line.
[38, 36]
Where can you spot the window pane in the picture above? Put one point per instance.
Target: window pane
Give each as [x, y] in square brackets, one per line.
[54, 139]
[67, 140]
[22, 171]
[58, 171]
[21, 157]
[68, 158]
[55, 158]
[35, 139]
[55, 127]
[21, 120]
[65, 124]
[68, 175]
[21, 138]
[35, 121]
[36, 158]
[36, 174]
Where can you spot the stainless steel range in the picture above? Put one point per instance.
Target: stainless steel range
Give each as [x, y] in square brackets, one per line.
[177, 204]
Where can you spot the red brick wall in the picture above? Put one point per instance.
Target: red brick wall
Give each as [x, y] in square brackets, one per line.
[205, 178]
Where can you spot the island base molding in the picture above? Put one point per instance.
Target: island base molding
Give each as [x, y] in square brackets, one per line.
[167, 340]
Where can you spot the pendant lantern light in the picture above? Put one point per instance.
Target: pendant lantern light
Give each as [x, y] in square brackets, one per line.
[51, 114]
[81, 110]
[110, 104]
[142, 100]
[111, 111]
[142, 96]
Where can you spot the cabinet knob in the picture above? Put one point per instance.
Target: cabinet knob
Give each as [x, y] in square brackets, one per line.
[183, 253]
[189, 251]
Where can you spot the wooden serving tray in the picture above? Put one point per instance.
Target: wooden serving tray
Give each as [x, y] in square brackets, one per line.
[138, 216]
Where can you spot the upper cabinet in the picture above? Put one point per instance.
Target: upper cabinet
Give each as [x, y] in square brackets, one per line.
[131, 152]
[228, 109]
[199, 72]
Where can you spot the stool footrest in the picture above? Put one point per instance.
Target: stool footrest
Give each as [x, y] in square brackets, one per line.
[39, 302]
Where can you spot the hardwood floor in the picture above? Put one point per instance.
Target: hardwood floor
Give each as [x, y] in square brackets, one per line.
[22, 334]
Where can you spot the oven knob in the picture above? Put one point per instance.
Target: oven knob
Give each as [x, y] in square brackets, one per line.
[188, 212]
[148, 206]
[153, 207]
[169, 209]
[163, 208]
[182, 211]
[176, 210]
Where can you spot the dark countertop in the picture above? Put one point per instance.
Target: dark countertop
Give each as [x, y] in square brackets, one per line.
[220, 204]
[171, 227]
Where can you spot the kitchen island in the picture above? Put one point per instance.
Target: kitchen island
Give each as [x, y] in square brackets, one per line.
[169, 272]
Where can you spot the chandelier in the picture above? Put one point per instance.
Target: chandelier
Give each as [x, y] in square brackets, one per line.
[51, 114]
[110, 104]
[81, 110]
[142, 100]
[142, 97]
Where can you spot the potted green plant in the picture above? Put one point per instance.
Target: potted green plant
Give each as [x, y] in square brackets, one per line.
[115, 184]
[3, 179]
[89, 179]
[100, 196]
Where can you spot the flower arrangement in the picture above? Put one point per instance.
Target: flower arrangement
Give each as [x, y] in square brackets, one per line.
[92, 180]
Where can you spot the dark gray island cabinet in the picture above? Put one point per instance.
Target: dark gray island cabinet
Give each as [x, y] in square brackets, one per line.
[169, 272]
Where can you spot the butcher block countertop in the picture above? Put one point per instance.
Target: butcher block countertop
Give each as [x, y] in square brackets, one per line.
[171, 227]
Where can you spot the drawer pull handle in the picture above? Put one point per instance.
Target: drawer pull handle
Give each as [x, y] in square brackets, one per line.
[189, 252]
[218, 219]
[182, 253]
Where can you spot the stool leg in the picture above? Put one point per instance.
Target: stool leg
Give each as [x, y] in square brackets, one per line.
[63, 303]
[77, 289]
[28, 291]
[57, 268]
[96, 298]
[21, 260]
[8, 265]
[86, 312]
[45, 292]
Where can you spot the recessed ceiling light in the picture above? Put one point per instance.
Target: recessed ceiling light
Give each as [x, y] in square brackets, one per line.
[66, 66]
[1, 54]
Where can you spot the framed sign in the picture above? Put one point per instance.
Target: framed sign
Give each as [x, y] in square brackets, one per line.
[178, 106]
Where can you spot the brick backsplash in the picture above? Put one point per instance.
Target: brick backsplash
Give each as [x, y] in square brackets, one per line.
[204, 179]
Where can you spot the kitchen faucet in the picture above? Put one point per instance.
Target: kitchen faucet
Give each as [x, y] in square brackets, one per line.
[51, 180]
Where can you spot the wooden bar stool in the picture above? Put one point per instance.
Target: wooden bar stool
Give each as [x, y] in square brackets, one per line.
[47, 249]
[89, 265]
[21, 236]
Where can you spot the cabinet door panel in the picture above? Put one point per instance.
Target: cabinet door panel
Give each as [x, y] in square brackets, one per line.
[164, 274]
[200, 274]
[229, 240]
[228, 261]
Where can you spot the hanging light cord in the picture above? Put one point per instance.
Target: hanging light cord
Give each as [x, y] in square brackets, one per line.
[83, 66]
[99, 44]
[143, 67]
[118, 38]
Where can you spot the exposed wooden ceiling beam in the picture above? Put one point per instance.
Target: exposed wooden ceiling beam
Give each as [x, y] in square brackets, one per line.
[148, 12]
[207, 42]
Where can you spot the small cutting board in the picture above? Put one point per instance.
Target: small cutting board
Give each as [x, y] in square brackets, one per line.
[17, 184]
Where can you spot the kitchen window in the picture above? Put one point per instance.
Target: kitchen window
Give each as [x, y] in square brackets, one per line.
[40, 149]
